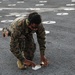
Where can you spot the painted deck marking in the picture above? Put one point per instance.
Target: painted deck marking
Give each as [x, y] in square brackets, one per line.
[69, 9]
[42, 1]
[70, 4]
[6, 21]
[11, 4]
[73, 0]
[62, 14]
[20, 2]
[49, 22]
[39, 4]
[41, 9]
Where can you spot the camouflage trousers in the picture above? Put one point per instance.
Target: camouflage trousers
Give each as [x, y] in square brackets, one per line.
[26, 46]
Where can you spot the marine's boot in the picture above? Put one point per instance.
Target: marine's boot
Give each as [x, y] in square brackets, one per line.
[20, 65]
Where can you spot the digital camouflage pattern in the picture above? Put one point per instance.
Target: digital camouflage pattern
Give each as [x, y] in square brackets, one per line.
[22, 39]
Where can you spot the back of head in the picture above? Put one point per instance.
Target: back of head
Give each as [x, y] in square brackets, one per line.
[34, 18]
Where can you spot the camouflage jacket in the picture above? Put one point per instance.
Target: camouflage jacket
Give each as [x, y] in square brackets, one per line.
[19, 25]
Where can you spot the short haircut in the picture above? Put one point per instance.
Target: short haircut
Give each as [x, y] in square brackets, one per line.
[34, 18]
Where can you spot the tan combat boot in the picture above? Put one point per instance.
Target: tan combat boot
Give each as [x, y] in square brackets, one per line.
[20, 65]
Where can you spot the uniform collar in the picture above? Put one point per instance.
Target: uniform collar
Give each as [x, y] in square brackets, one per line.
[27, 23]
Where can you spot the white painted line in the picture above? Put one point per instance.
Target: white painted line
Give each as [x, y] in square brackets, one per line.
[8, 15]
[1, 9]
[32, 8]
[14, 13]
[37, 9]
[47, 32]
[70, 4]
[73, 0]
[42, 1]
[41, 9]
[17, 14]
[39, 4]
[1, 29]
[0, 2]
[3, 21]
[62, 14]
[11, 4]
[49, 22]
[52, 22]
[24, 15]
[6, 21]
[10, 20]
[59, 14]
[20, 2]
[69, 8]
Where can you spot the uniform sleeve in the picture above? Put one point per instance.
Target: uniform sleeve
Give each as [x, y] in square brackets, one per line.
[41, 39]
[14, 44]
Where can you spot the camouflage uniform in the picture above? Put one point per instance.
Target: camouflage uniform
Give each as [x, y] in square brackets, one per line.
[22, 39]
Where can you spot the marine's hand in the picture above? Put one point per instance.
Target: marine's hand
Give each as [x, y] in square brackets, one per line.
[29, 63]
[5, 32]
